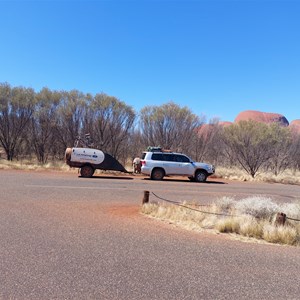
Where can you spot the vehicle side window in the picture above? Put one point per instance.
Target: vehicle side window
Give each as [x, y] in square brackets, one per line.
[157, 156]
[169, 157]
[181, 158]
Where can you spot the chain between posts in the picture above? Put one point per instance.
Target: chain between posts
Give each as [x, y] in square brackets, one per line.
[191, 208]
[280, 217]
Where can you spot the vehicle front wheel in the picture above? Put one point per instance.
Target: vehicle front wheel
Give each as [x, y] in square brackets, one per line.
[87, 171]
[157, 174]
[200, 176]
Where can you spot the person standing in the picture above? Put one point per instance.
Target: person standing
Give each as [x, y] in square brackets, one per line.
[137, 164]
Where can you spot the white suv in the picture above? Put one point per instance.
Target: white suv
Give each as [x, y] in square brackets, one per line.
[158, 164]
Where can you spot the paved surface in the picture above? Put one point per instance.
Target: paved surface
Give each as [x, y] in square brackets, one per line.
[64, 237]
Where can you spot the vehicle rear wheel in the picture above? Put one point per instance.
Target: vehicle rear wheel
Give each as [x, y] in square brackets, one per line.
[157, 174]
[200, 176]
[87, 171]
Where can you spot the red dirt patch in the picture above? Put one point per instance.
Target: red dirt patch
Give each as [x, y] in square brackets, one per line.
[124, 210]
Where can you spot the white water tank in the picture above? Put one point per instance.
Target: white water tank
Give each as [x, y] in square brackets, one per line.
[86, 155]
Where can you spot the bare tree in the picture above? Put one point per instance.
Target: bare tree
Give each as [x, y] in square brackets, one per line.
[16, 109]
[281, 150]
[295, 151]
[206, 142]
[168, 126]
[249, 143]
[44, 122]
[70, 117]
[110, 123]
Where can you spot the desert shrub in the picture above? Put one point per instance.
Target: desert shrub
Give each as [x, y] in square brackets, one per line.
[225, 203]
[292, 210]
[257, 206]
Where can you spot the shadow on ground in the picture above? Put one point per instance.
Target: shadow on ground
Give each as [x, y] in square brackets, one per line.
[188, 181]
[108, 177]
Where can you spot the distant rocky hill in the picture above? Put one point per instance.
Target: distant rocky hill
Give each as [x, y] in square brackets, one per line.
[262, 117]
[265, 117]
[295, 125]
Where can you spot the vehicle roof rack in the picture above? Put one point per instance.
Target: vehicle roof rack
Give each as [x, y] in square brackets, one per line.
[158, 149]
[154, 149]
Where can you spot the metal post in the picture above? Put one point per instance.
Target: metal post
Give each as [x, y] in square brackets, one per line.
[146, 197]
[280, 219]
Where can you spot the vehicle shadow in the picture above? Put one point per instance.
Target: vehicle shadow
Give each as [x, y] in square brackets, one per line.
[108, 177]
[186, 180]
[216, 182]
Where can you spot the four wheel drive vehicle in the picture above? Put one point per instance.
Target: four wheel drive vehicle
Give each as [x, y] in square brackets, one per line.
[158, 164]
[88, 160]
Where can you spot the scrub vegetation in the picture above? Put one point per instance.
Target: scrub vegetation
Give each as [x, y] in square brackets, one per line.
[288, 176]
[39, 126]
[252, 217]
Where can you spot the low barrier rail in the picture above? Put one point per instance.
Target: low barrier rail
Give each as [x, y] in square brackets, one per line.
[280, 217]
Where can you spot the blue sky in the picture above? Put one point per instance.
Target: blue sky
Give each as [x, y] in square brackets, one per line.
[216, 57]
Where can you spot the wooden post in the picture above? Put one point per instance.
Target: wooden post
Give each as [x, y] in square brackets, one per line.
[280, 219]
[146, 197]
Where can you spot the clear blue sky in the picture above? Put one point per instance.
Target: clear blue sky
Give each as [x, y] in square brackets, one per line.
[216, 57]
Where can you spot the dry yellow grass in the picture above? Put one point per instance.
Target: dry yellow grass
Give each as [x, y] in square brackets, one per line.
[228, 225]
[287, 177]
[281, 234]
[247, 225]
[33, 165]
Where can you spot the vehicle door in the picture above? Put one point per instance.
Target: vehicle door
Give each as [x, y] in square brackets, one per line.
[165, 161]
[183, 165]
[169, 163]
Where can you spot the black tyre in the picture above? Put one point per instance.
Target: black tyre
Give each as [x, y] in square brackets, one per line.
[157, 174]
[191, 178]
[87, 171]
[200, 176]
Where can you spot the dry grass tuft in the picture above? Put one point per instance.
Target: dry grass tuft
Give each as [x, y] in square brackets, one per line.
[281, 234]
[228, 225]
[34, 166]
[252, 217]
[250, 227]
[287, 177]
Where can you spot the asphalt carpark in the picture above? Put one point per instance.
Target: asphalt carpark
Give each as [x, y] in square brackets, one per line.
[67, 237]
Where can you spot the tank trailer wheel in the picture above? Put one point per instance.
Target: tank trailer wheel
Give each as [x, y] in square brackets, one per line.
[87, 171]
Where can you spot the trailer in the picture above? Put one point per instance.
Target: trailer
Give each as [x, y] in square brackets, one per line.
[88, 160]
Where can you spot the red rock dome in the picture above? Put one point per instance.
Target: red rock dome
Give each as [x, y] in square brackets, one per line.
[262, 117]
[295, 123]
[295, 126]
[225, 123]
